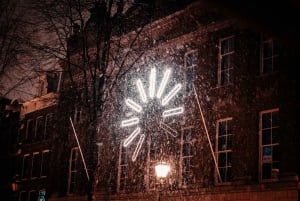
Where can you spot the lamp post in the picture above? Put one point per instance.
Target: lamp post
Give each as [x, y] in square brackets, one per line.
[162, 170]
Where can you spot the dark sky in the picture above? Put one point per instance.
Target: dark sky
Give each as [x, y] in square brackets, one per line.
[279, 17]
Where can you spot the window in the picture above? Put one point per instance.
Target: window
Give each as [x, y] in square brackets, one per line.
[23, 196]
[123, 165]
[39, 128]
[48, 125]
[26, 166]
[30, 130]
[270, 56]
[154, 154]
[42, 195]
[36, 165]
[32, 196]
[225, 68]
[190, 62]
[224, 150]
[187, 154]
[73, 162]
[269, 144]
[45, 163]
[52, 81]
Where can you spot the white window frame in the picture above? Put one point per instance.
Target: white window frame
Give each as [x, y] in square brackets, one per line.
[230, 69]
[275, 171]
[228, 164]
[274, 55]
[72, 181]
[183, 157]
[192, 67]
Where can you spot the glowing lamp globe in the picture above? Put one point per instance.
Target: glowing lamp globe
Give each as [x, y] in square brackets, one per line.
[162, 170]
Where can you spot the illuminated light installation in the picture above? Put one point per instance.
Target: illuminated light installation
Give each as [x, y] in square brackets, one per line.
[133, 105]
[138, 108]
[130, 122]
[173, 111]
[171, 94]
[138, 147]
[163, 83]
[131, 136]
[152, 83]
[141, 90]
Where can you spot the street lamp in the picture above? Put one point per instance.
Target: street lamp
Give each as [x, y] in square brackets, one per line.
[162, 170]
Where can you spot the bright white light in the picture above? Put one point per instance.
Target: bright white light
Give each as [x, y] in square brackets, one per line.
[131, 137]
[173, 111]
[162, 170]
[138, 147]
[141, 90]
[163, 83]
[168, 129]
[172, 93]
[130, 122]
[152, 82]
[133, 105]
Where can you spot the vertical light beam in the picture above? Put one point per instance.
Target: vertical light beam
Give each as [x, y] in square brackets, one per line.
[172, 93]
[152, 82]
[130, 122]
[138, 147]
[163, 83]
[133, 105]
[141, 90]
[131, 137]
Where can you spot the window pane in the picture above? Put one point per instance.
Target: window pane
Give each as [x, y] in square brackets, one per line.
[266, 137]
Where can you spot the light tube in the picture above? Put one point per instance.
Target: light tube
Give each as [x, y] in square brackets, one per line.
[152, 82]
[131, 137]
[174, 111]
[168, 129]
[129, 122]
[163, 83]
[141, 90]
[138, 147]
[133, 105]
[172, 93]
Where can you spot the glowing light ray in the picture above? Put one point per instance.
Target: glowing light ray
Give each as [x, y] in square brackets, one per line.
[163, 83]
[133, 105]
[173, 111]
[168, 129]
[171, 94]
[138, 147]
[141, 90]
[131, 137]
[130, 122]
[152, 82]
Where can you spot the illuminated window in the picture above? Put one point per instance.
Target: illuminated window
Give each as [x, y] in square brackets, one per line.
[187, 156]
[190, 62]
[225, 68]
[123, 166]
[39, 128]
[45, 163]
[42, 195]
[269, 56]
[269, 144]
[36, 165]
[26, 165]
[224, 149]
[154, 154]
[73, 163]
